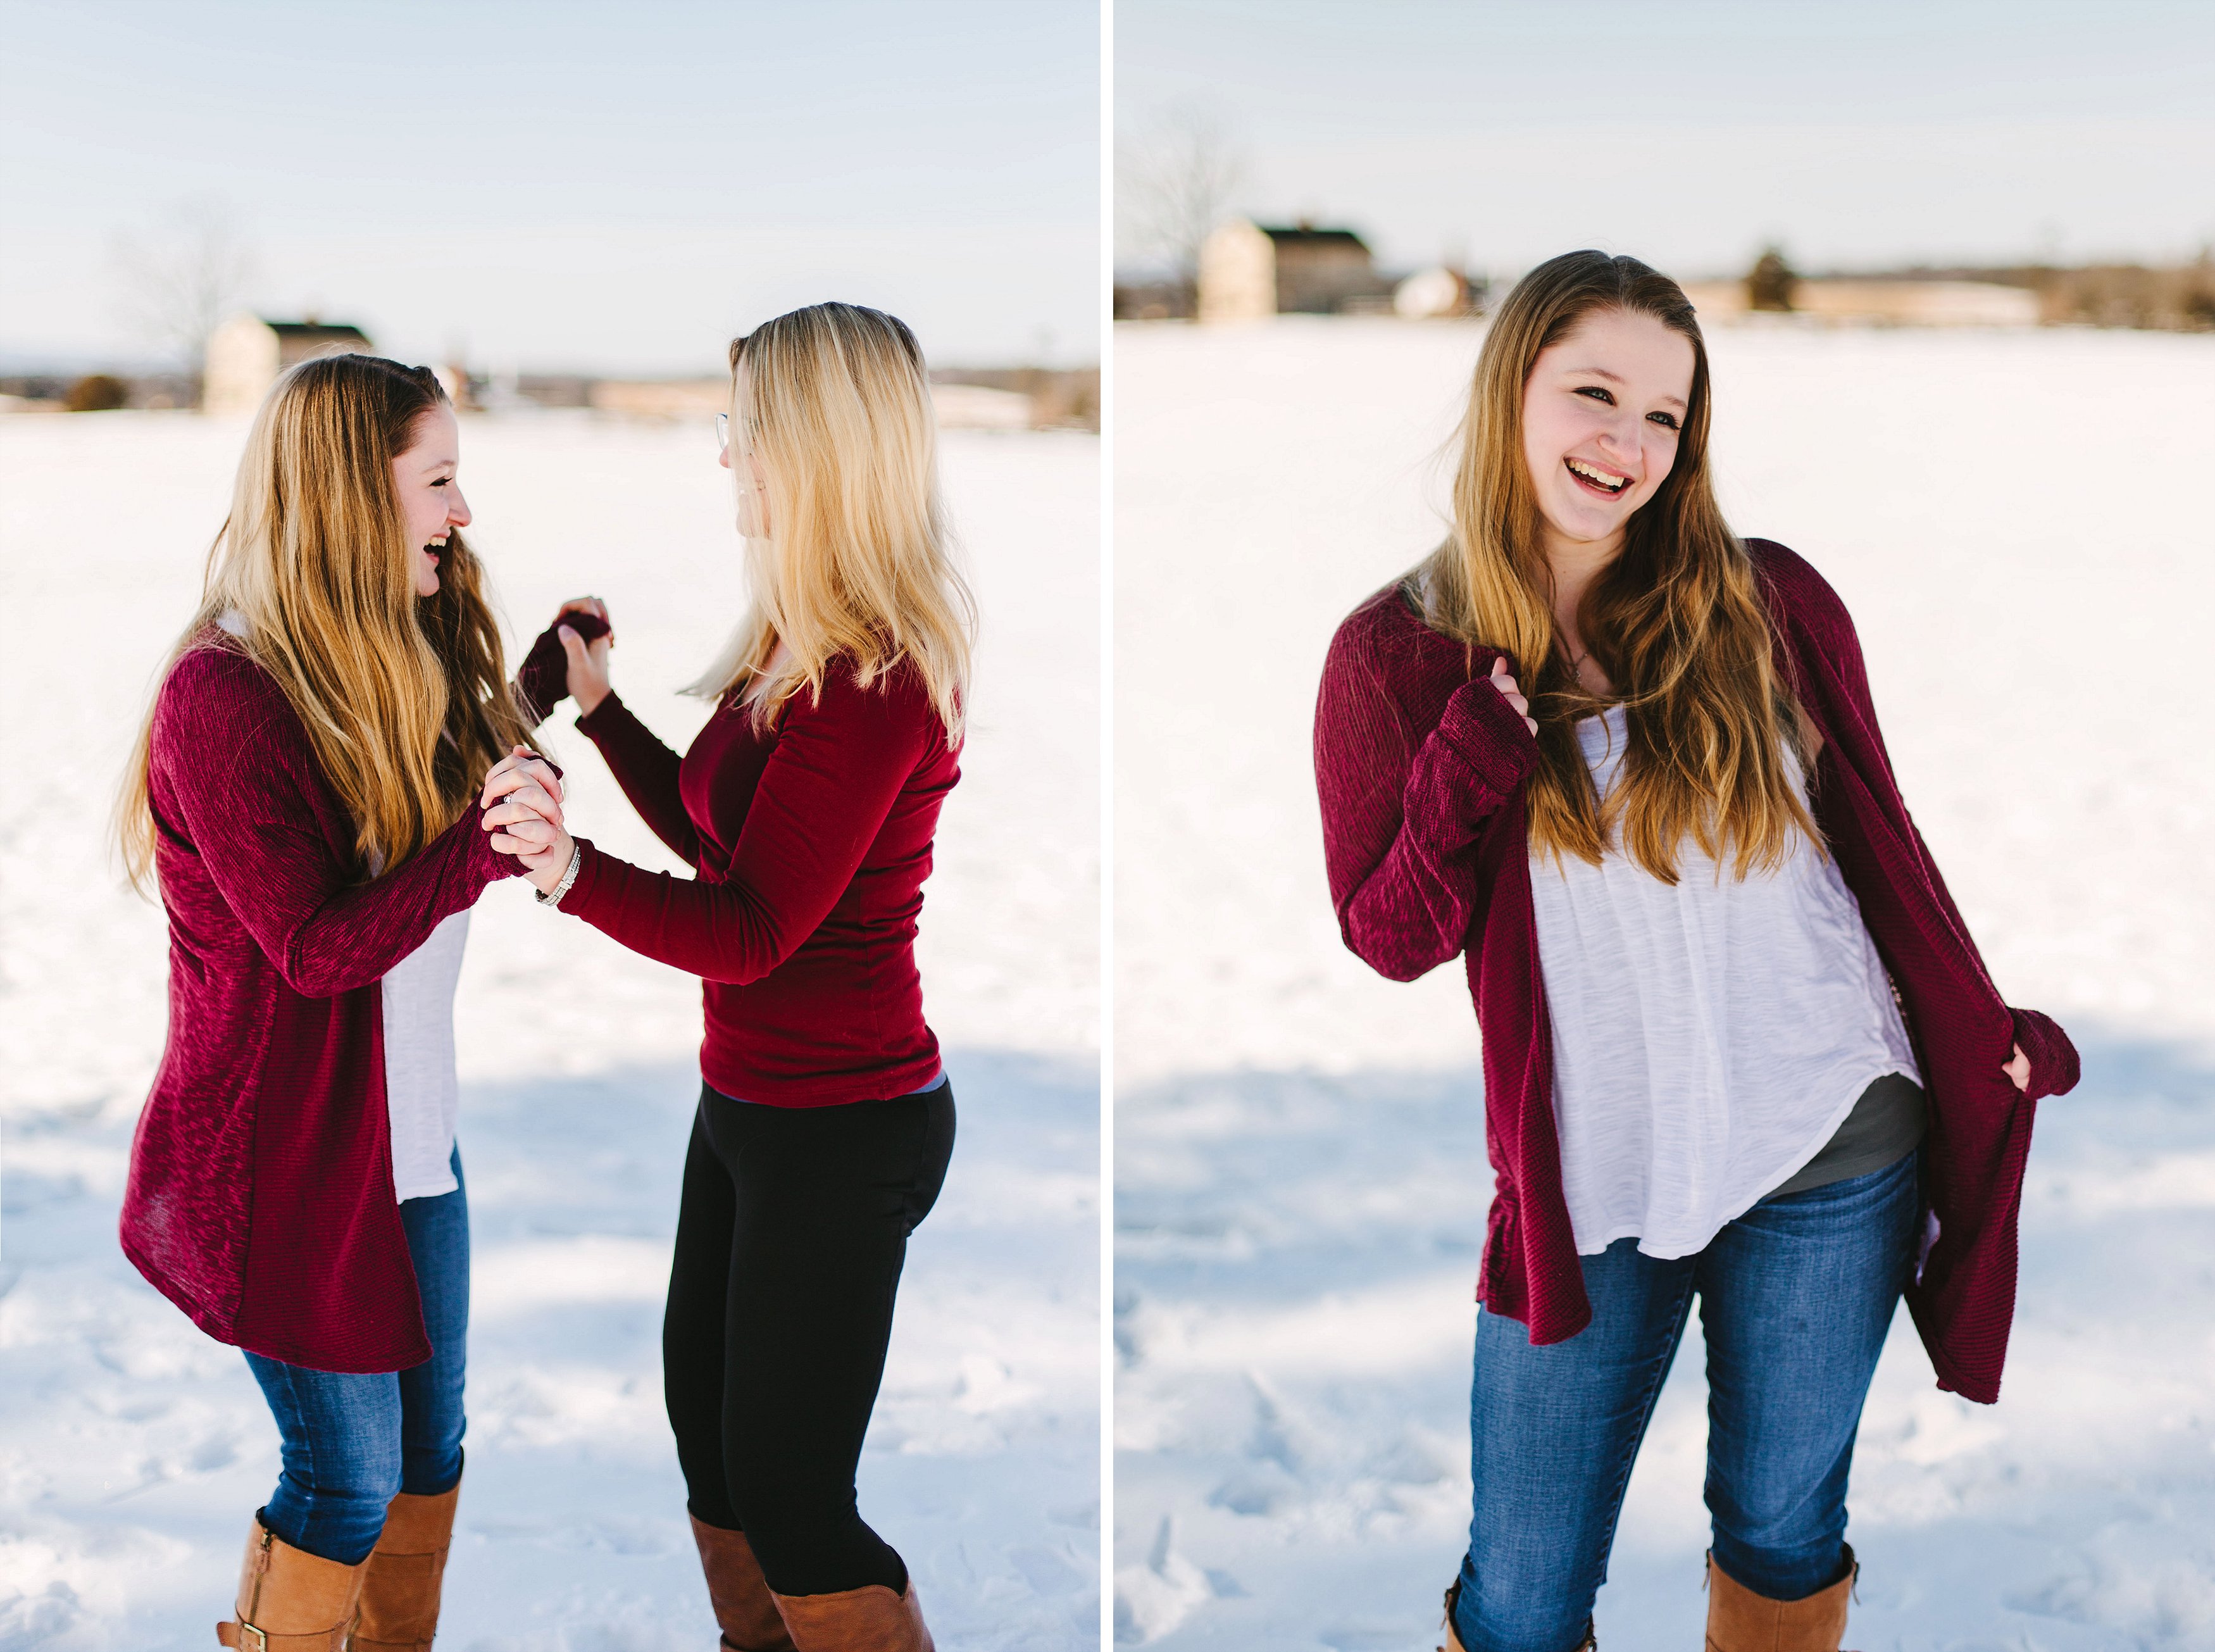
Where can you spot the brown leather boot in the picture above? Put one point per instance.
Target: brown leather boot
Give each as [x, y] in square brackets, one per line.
[400, 1588]
[870, 1620]
[290, 1600]
[745, 1610]
[1739, 1620]
[1590, 1644]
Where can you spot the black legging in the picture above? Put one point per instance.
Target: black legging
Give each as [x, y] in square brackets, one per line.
[789, 1241]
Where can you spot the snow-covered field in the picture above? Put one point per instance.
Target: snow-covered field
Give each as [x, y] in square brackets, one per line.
[134, 1451]
[2017, 520]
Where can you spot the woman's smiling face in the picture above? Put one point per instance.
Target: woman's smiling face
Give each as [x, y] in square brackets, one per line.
[1602, 413]
[430, 502]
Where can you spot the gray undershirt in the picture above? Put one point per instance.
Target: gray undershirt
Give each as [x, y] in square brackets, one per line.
[1885, 1125]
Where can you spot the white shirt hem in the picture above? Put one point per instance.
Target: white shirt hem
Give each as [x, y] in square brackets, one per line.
[1672, 1250]
[424, 1189]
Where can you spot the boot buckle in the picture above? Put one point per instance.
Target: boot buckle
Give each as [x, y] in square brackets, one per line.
[251, 1639]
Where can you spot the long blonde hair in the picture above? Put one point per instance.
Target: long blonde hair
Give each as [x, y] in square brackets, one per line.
[858, 563]
[1677, 620]
[405, 698]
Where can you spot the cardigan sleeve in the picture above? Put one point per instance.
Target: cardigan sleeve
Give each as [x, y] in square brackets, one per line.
[1402, 811]
[541, 680]
[647, 771]
[838, 764]
[236, 768]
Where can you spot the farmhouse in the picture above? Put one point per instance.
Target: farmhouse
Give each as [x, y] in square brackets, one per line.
[247, 352]
[1249, 270]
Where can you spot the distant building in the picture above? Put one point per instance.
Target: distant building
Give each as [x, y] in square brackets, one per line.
[1881, 300]
[247, 352]
[1438, 293]
[1249, 270]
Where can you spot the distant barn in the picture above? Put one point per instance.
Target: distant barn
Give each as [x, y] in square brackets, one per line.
[247, 352]
[1249, 270]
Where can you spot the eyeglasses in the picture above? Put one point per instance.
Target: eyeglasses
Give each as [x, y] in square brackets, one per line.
[722, 431]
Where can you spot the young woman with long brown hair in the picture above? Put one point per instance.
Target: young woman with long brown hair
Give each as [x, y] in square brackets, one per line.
[302, 794]
[1738, 1043]
[806, 808]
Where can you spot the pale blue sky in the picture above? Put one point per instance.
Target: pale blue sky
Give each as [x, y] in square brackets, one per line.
[553, 184]
[1860, 132]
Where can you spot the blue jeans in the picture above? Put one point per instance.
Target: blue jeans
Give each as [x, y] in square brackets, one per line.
[351, 1441]
[1795, 1297]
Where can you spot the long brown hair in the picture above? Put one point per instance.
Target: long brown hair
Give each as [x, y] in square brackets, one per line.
[857, 564]
[1675, 621]
[405, 698]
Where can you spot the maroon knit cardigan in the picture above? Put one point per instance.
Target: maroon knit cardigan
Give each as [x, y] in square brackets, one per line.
[260, 1198]
[1420, 765]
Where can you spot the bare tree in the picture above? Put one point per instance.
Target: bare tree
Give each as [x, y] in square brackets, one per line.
[1174, 181]
[180, 278]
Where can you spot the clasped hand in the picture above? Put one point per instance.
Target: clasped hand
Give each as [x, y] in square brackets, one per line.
[522, 805]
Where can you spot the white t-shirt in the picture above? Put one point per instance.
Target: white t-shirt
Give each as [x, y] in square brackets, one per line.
[422, 1093]
[1709, 1038]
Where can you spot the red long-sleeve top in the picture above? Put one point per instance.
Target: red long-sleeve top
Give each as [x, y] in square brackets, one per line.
[809, 842]
[259, 1196]
[1420, 766]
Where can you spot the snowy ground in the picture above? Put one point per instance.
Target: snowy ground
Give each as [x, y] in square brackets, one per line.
[1300, 1174]
[134, 1451]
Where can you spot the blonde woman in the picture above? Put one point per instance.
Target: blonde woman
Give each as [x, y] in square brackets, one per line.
[1738, 1043]
[806, 809]
[303, 792]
